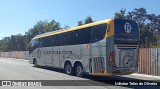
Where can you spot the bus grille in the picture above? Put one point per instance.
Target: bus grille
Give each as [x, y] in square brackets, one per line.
[98, 63]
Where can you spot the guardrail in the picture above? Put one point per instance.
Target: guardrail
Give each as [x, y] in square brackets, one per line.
[149, 59]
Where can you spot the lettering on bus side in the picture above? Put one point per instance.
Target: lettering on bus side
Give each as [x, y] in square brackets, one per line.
[57, 52]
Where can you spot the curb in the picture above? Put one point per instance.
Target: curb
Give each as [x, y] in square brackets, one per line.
[145, 75]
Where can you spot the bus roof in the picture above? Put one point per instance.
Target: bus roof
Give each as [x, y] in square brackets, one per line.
[71, 29]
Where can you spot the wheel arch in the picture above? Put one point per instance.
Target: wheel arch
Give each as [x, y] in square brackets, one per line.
[74, 62]
[66, 61]
[77, 62]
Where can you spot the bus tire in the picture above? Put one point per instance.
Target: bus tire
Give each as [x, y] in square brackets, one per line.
[35, 63]
[79, 70]
[68, 68]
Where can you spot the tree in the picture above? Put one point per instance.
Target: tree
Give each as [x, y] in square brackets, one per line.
[53, 26]
[80, 23]
[120, 14]
[19, 42]
[86, 21]
[66, 27]
[4, 44]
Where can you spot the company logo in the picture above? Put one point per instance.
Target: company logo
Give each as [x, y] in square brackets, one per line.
[127, 27]
[6, 83]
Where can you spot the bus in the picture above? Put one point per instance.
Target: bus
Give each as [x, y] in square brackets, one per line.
[104, 48]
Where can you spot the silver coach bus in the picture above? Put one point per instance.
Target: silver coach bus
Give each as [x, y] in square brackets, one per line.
[103, 48]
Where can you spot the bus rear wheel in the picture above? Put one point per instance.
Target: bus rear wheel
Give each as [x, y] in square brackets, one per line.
[68, 68]
[79, 70]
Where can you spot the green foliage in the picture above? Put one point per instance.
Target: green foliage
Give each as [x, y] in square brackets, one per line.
[52, 26]
[120, 14]
[4, 44]
[19, 42]
[80, 23]
[86, 21]
[66, 27]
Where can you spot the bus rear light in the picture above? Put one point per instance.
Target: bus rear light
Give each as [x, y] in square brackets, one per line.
[87, 46]
[112, 59]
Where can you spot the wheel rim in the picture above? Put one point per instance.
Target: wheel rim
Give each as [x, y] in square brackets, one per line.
[79, 70]
[35, 63]
[68, 69]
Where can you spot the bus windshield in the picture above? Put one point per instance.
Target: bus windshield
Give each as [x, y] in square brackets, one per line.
[126, 32]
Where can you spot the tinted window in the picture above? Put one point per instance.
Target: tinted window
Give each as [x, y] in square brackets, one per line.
[45, 41]
[71, 38]
[81, 36]
[98, 32]
[60, 39]
[32, 43]
[52, 40]
[32, 46]
[84, 35]
[36, 43]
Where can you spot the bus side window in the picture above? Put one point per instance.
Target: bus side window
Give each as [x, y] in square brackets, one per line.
[32, 43]
[42, 42]
[36, 43]
[84, 35]
[39, 42]
[98, 32]
[60, 39]
[53, 40]
[45, 41]
[71, 38]
[48, 41]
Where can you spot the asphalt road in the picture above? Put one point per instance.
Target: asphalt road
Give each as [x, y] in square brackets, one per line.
[19, 69]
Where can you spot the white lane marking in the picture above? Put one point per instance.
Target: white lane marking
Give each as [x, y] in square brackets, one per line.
[20, 59]
[25, 60]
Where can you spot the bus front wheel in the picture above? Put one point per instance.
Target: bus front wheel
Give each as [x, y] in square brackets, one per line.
[68, 68]
[35, 63]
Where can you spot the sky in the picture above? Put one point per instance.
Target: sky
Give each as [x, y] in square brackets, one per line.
[17, 16]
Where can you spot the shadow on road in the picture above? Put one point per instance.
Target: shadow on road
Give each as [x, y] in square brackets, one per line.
[110, 81]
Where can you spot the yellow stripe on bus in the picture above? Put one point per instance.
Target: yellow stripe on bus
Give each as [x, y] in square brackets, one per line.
[110, 28]
[74, 28]
[110, 74]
